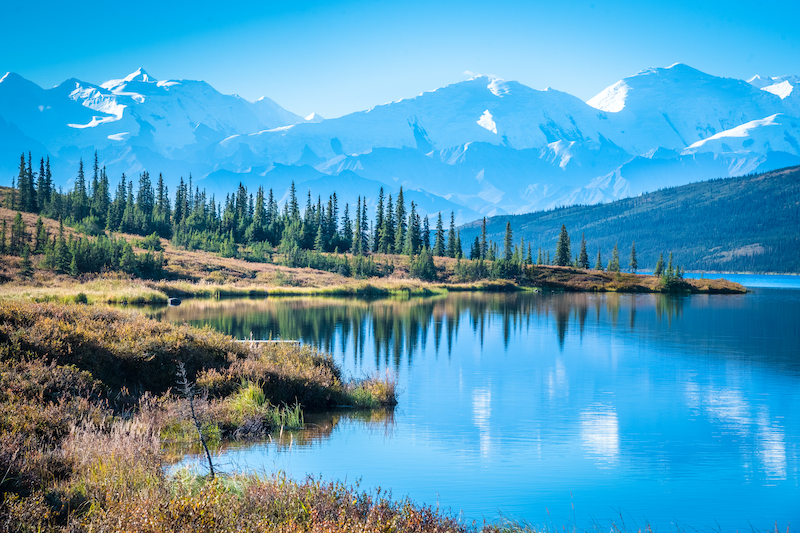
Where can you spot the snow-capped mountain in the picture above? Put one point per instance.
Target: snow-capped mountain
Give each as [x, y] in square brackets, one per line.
[482, 146]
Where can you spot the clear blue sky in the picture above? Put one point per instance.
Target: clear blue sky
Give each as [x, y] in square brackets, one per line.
[335, 57]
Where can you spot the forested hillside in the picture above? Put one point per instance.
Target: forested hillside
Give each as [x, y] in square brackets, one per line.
[750, 223]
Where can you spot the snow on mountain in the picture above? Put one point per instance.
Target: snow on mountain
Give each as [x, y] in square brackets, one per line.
[272, 115]
[776, 133]
[763, 81]
[166, 116]
[451, 116]
[483, 146]
[677, 106]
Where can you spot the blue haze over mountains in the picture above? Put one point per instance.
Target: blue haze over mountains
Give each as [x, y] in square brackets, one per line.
[481, 147]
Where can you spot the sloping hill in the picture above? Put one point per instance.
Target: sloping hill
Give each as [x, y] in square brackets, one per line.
[749, 223]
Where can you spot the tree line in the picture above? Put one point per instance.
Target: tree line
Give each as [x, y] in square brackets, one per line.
[254, 227]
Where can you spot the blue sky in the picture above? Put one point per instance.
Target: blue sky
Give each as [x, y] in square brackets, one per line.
[336, 57]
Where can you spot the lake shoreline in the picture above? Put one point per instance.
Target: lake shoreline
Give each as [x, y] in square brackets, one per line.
[120, 289]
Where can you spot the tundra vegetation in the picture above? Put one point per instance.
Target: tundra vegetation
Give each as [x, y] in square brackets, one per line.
[143, 247]
[89, 411]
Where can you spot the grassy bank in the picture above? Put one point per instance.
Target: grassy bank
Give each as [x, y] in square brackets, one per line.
[87, 400]
[120, 289]
[575, 280]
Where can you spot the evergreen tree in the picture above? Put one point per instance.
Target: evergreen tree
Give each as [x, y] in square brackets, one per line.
[422, 266]
[459, 248]
[379, 223]
[357, 232]
[634, 264]
[413, 235]
[475, 251]
[42, 187]
[95, 181]
[563, 252]
[27, 195]
[3, 247]
[400, 221]
[319, 241]
[80, 201]
[25, 266]
[41, 237]
[540, 259]
[292, 205]
[451, 236]
[583, 258]
[20, 182]
[18, 235]
[508, 245]
[529, 259]
[483, 239]
[613, 264]
[659, 270]
[599, 264]
[365, 228]
[426, 233]
[670, 269]
[347, 228]
[438, 246]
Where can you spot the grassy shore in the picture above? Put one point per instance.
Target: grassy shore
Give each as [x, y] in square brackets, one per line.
[87, 404]
[273, 280]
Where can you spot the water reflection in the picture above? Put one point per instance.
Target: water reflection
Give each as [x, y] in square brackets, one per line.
[667, 407]
[396, 330]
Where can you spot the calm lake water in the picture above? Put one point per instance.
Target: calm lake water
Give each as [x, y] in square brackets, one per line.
[680, 411]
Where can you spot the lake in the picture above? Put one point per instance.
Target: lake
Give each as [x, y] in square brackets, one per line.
[556, 409]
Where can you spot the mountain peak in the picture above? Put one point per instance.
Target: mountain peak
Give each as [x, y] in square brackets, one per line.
[139, 75]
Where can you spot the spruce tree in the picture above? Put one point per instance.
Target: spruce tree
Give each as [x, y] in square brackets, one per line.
[355, 247]
[563, 253]
[41, 237]
[400, 221]
[426, 233]
[451, 236]
[483, 239]
[22, 183]
[508, 245]
[659, 270]
[25, 266]
[613, 264]
[583, 258]
[438, 246]
[18, 235]
[670, 269]
[376, 245]
[599, 264]
[319, 241]
[475, 251]
[634, 264]
[540, 259]
[42, 195]
[80, 200]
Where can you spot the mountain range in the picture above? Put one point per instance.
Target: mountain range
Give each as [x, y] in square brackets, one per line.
[481, 147]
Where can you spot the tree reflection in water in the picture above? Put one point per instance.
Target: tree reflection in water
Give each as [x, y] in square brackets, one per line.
[399, 328]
